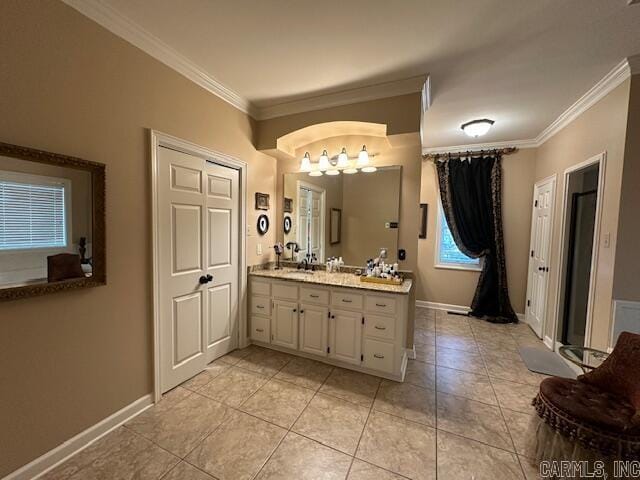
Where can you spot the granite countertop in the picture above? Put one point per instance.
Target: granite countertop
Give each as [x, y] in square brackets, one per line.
[321, 277]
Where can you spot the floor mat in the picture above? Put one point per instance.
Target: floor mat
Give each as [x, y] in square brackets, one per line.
[545, 361]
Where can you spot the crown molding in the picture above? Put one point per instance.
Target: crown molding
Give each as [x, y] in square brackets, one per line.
[115, 22]
[473, 147]
[606, 85]
[344, 97]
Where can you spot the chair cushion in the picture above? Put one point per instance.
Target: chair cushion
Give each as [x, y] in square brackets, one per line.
[589, 404]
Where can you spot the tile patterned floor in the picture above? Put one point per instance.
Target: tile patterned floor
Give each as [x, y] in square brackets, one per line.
[463, 413]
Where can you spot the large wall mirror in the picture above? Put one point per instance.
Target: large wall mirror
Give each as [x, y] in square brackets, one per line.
[52, 222]
[348, 216]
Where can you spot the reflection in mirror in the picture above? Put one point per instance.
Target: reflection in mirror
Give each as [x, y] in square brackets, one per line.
[45, 211]
[348, 216]
[47, 224]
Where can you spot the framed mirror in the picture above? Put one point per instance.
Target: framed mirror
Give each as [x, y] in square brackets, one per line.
[52, 223]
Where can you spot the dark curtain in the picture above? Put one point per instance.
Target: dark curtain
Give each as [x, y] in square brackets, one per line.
[471, 193]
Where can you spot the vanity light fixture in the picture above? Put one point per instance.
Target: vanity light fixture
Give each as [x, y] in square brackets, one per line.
[350, 171]
[369, 169]
[477, 128]
[315, 173]
[323, 163]
[343, 159]
[305, 164]
[363, 157]
[332, 172]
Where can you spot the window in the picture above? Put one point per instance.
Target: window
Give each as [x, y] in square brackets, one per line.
[33, 211]
[447, 253]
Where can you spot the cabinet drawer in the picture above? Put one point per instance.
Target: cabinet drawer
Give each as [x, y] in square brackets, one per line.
[314, 295]
[260, 329]
[261, 305]
[346, 300]
[380, 327]
[384, 305]
[260, 287]
[286, 291]
[378, 355]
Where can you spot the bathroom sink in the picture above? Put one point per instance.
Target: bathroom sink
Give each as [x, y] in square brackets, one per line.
[300, 274]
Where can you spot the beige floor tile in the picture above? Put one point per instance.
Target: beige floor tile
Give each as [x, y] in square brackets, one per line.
[133, 458]
[407, 401]
[455, 328]
[299, 458]
[183, 426]
[87, 456]
[474, 420]
[232, 358]
[424, 337]
[238, 449]
[420, 374]
[305, 373]
[514, 396]
[399, 445]
[523, 431]
[210, 372]
[265, 362]
[530, 468]
[425, 353]
[458, 342]
[352, 386]
[512, 370]
[333, 422]
[146, 420]
[184, 471]
[425, 323]
[278, 402]
[503, 352]
[365, 471]
[465, 384]
[461, 459]
[460, 360]
[233, 386]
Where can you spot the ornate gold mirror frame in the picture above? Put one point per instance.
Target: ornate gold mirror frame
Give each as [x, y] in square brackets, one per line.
[97, 171]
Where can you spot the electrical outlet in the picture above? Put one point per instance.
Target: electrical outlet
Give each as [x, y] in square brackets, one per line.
[606, 240]
[259, 249]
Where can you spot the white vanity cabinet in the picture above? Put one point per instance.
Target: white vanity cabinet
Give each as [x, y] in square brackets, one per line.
[354, 328]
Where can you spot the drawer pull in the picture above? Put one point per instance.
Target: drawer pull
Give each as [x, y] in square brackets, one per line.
[381, 304]
[377, 355]
[260, 306]
[380, 328]
[260, 330]
[314, 296]
[347, 301]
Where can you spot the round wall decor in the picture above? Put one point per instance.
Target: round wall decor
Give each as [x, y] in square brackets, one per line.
[287, 224]
[263, 224]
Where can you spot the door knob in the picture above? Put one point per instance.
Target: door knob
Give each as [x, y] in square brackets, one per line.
[205, 279]
[541, 269]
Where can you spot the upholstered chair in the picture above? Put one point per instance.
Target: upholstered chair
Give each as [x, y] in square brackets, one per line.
[595, 418]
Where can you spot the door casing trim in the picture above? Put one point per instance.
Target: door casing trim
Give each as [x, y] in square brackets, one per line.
[159, 139]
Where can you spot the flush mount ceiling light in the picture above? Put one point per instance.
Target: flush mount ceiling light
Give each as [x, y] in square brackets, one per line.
[477, 128]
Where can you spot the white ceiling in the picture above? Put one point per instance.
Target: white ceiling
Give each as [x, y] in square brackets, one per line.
[519, 62]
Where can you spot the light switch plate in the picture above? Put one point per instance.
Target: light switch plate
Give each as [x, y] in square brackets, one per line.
[259, 249]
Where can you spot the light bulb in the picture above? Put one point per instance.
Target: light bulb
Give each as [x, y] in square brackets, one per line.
[324, 164]
[363, 157]
[343, 159]
[305, 163]
[477, 128]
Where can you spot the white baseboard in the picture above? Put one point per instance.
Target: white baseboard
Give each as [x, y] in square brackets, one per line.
[453, 308]
[62, 452]
[548, 341]
[411, 353]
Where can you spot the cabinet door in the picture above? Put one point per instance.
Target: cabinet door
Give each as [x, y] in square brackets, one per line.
[284, 324]
[345, 333]
[314, 322]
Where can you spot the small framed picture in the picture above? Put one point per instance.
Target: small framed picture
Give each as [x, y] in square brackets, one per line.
[335, 226]
[262, 201]
[288, 205]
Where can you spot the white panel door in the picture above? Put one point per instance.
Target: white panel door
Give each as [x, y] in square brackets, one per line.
[304, 201]
[198, 213]
[345, 334]
[315, 225]
[538, 276]
[284, 324]
[314, 325]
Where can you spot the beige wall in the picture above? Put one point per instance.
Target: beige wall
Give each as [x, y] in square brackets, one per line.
[69, 86]
[456, 287]
[600, 129]
[626, 284]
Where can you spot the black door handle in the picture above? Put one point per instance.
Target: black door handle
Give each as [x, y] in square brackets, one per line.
[205, 279]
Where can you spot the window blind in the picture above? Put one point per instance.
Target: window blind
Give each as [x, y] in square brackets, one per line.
[31, 216]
